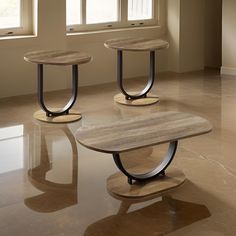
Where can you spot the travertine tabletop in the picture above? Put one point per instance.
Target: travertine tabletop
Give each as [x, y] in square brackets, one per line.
[57, 57]
[142, 131]
[136, 44]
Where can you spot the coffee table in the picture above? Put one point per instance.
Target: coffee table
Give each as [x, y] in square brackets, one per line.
[140, 132]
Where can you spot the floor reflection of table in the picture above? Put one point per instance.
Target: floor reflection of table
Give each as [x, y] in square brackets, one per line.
[56, 195]
[159, 218]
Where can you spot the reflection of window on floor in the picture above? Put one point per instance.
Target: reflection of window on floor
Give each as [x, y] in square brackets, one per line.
[12, 148]
[61, 159]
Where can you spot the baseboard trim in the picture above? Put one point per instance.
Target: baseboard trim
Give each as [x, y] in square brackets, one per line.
[228, 71]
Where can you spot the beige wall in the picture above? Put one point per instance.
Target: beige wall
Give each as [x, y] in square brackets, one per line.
[185, 21]
[18, 77]
[173, 31]
[229, 37]
[192, 35]
[194, 31]
[213, 33]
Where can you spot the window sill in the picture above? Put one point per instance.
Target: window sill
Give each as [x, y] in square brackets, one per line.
[13, 37]
[107, 31]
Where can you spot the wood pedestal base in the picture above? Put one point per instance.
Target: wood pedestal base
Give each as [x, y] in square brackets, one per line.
[73, 116]
[118, 186]
[149, 100]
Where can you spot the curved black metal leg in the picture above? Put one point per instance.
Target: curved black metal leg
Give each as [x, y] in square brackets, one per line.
[159, 170]
[71, 102]
[152, 74]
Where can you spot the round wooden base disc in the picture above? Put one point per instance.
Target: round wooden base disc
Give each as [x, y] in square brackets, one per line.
[118, 186]
[71, 117]
[149, 100]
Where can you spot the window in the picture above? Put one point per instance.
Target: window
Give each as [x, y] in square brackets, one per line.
[15, 17]
[73, 16]
[102, 11]
[140, 10]
[103, 14]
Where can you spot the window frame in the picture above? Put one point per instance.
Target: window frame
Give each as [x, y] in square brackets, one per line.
[26, 21]
[122, 21]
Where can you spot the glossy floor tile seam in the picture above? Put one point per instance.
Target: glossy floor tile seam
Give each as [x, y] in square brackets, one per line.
[228, 170]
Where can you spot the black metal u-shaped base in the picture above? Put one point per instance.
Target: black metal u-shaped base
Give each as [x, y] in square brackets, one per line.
[72, 100]
[159, 170]
[152, 75]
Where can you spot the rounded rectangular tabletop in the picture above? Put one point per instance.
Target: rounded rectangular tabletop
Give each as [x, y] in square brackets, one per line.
[142, 131]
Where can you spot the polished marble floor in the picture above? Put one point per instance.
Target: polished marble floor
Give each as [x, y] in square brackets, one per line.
[52, 186]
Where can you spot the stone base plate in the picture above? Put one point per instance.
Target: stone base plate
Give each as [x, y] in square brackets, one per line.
[118, 186]
[149, 100]
[73, 116]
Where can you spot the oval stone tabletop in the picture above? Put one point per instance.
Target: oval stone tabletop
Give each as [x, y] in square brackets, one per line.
[142, 131]
[136, 44]
[58, 57]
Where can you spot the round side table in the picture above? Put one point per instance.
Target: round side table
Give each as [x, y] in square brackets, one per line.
[137, 45]
[57, 58]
